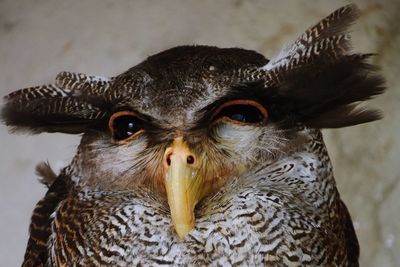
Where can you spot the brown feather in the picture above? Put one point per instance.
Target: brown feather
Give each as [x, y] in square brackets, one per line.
[40, 228]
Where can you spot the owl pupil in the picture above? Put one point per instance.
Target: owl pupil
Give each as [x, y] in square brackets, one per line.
[239, 117]
[125, 126]
[242, 113]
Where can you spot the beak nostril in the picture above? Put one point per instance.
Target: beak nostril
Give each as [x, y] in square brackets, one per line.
[168, 159]
[190, 159]
[180, 155]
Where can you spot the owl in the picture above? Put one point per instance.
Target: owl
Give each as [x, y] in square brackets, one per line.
[201, 156]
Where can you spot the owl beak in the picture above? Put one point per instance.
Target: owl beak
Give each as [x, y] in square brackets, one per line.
[183, 185]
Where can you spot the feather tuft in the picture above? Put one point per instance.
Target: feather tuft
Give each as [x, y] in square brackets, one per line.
[46, 174]
[316, 82]
[329, 39]
[71, 105]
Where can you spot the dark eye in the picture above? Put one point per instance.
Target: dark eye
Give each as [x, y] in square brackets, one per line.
[124, 125]
[241, 112]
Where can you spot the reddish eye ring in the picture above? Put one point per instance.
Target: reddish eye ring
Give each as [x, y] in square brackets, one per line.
[125, 126]
[241, 112]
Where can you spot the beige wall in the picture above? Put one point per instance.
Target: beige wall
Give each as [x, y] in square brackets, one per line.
[40, 38]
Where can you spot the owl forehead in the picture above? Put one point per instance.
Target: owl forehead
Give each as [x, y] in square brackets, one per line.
[177, 103]
[174, 85]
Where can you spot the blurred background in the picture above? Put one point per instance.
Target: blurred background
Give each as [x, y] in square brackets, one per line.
[40, 38]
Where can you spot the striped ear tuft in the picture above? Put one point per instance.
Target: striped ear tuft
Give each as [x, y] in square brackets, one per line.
[328, 39]
[71, 105]
[315, 81]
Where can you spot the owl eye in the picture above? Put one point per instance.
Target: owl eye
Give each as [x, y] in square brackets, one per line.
[124, 126]
[241, 112]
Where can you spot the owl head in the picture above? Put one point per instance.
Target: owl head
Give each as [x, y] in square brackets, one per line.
[187, 120]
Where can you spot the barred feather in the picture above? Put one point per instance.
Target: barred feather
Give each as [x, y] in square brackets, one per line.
[71, 105]
[84, 85]
[328, 39]
[316, 82]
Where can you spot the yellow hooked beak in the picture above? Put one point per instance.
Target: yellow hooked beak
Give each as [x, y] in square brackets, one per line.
[184, 185]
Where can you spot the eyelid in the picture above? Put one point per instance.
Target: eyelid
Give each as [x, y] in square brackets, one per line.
[253, 103]
[110, 126]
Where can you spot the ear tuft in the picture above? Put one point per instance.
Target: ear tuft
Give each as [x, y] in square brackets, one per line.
[328, 38]
[315, 81]
[72, 105]
[343, 116]
[327, 95]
